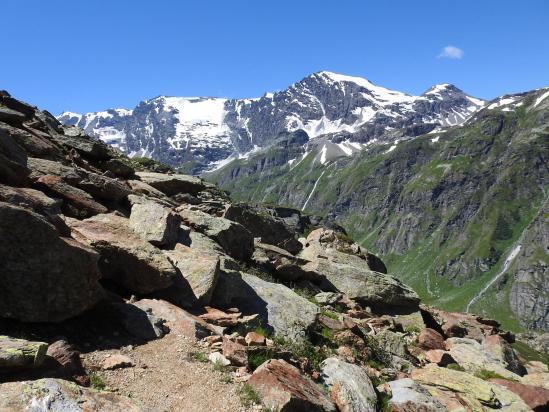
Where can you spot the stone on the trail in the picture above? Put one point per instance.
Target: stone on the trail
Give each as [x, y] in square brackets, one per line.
[280, 308]
[430, 339]
[20, 354]
[350, 386]
[126, 258]
[281, 386]
[218, 358]
[410, 396]
[172, 184]
[65, 361]
[235, 352]
[200, 272]
[43, 277]
[140, 322]
[234, 238]
[117, 361]
[155, 223]
[60, 395]
[178, 320]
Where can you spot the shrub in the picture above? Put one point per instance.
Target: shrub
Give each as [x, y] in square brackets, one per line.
[96, 382]
[198, 356]
[248, 395]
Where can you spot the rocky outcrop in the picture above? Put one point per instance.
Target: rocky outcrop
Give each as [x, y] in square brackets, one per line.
[282, 387]
[126, 258]
[30, 268]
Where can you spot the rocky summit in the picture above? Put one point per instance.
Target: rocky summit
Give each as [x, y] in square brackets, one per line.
[128, 286]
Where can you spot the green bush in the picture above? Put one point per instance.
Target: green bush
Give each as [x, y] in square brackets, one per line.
[248, 395]
[96, 382]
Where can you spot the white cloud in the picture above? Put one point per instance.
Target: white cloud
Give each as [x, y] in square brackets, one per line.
[451, 52]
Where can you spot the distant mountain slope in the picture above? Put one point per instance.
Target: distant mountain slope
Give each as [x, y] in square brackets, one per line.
[445, 209]
[203, 133]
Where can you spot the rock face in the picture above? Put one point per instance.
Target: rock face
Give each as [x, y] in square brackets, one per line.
[282, 387]
[280, 308]
[60, 395]
[350, 386]
[29, 268]
[125, 258]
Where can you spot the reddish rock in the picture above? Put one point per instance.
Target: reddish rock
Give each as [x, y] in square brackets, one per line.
[430, 339]
[463, 325]
[255, 339]
[348, 338]
[218, 317]
[438, 356]
[498, 347]
[65, 359]
[282, 386]
[535, 397]
[116, 362]
[334, 324]
[235, 352]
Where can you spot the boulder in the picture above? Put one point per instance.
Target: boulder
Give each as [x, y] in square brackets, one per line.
[235, 352]
[42, 167]
[473, 357]
[280, 262]
[126, 258]
[86, 146]
[60, 395]
[13, 161]
[219, 359]
[77, 203]
[350, 386]
[155, 223]
[140, 322]
[540, 379]
[262, 225]
[118, 167]
[281, 386]
[30, 199]
[20, 354]
[64, 360]
[328, 298]
[254, 339]
[438, 356]
[43, 277]
[410, 396]
[474, 390]
[535, 397]
[34, 142]
[500, 349]
[462, 325]
[234, 238]
[199, 274]
[104, 188]
[143, 188]
[391, 342]
[172, 184]
[177, 319]
[430, 339]
[279, 308]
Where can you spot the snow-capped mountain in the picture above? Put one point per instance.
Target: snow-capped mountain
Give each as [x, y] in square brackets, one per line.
[202, 132]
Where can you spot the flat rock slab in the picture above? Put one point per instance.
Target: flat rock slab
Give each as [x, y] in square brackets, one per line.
[20, 354]
[60, 395]
[117, 361]
[409, 396]
[172, 184]
[126, 258]
[282, 386]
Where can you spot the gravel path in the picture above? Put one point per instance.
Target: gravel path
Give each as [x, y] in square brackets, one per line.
[165, 378]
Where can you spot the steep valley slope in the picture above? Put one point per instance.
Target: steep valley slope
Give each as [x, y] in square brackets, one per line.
[445, 209]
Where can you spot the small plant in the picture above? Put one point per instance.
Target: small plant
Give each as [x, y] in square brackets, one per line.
[455, 367]
[385, 403]
[96, 382]
[198, 356]
[412, 329]
[248, 395]
[340, 308]
[219, 367]
[227, 379]
[270, 409]
[258, 358]
[485, 374]
[329, 314]
[327, 333]
[260, 330]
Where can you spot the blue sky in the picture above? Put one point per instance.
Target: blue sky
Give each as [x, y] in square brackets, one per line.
[90, 55]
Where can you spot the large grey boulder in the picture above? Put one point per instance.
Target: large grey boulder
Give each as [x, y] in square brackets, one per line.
[126, 258]
[199, 272]
[172, 184]
[20, 354]
[155, 223]
[280, 308]
[43, 277]
[234, 238]
[350, 387]
[410, 396]
[60, 395]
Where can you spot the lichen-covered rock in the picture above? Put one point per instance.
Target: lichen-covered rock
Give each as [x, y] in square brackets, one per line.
[280, 308]
[43, 277]
[282, 387]
[410, 396]
[20, 354]
[350, 386]
[60, 395]
[155, 223]
[126, 258]
[535, 397]
[234, 238]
